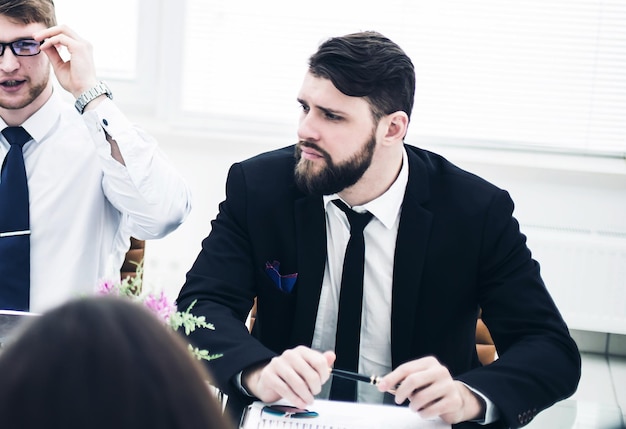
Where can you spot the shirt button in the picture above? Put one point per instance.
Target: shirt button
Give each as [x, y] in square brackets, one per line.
[105, 122]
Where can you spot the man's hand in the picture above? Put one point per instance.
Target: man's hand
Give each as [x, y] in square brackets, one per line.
[78, 73]
[296, 376]
[432, 392]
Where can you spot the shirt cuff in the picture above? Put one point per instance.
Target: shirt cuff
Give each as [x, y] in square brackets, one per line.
[108, 117]
[239, 385]
[492, 413]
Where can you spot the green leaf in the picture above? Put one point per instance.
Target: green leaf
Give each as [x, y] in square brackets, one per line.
[203, 354]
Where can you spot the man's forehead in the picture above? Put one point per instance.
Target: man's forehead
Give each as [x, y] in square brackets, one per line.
[11, 29]
[321, 92]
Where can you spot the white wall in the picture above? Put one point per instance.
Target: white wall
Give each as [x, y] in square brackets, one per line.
[573, 211]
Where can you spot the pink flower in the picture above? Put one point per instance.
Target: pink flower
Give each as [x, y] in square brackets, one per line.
[160, 306]
[107, 287]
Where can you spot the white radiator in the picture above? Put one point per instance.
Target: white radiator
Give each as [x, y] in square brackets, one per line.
[585, 272]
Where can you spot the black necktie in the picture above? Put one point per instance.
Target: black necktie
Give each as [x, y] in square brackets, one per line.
[14, 225]
[350, 305]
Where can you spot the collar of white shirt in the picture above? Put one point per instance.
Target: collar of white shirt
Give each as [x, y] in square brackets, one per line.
[39, 124]
[386, 207]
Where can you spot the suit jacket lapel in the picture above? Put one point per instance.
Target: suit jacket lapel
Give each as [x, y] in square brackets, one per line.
[411, 245]
[311, 244]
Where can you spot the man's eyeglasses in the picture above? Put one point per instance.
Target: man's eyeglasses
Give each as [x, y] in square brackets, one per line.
[22, 47]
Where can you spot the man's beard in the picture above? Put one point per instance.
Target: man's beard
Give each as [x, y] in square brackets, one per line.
[331, 178]
[33, 93]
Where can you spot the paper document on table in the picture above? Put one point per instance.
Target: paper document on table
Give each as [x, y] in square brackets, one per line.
[341, 415]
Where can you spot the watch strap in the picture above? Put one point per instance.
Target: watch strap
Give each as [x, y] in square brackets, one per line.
[91, 94]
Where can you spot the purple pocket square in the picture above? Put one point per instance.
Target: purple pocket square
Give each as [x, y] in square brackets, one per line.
[283, 282]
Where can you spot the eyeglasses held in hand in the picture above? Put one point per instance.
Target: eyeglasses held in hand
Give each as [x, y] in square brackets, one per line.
[289, 411]
[22, 47]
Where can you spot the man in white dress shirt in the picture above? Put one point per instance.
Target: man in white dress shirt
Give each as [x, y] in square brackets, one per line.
[94, 179]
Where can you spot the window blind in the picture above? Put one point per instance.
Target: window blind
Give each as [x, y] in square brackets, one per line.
[532, 74]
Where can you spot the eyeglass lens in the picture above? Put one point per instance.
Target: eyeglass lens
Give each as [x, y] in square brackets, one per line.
[22, 48]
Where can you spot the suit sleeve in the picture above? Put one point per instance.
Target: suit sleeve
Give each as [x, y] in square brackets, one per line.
[539, 362]
[222, 284]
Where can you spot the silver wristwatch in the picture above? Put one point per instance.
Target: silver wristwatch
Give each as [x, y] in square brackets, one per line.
[92, 93]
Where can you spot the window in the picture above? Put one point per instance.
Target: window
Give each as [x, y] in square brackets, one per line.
[529, 74]
[522, 73]
[124, 35]
[110, 27]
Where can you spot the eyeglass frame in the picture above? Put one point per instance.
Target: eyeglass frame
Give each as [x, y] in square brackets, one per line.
[3, 46]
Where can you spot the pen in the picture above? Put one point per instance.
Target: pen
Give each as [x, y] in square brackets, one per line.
[371, 379]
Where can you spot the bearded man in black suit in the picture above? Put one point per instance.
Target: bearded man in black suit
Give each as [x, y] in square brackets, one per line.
[442, 245]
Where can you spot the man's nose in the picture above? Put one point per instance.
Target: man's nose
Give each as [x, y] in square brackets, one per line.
[308, 129]
[9, 62]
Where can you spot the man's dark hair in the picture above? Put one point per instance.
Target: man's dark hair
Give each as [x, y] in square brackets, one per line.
[367, 64]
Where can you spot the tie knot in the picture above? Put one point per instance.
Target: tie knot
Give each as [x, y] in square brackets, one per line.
[358, 221]
[16, 135]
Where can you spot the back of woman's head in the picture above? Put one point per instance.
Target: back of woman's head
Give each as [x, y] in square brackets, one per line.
[103, 362]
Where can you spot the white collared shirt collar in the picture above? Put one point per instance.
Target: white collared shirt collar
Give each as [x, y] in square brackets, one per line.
[387, 206]
[39, 124]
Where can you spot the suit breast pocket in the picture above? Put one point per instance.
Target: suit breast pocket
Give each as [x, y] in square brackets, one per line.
[274, 314]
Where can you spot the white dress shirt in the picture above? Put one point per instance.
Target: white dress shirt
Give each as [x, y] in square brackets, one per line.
[380, 244]
[84, 205]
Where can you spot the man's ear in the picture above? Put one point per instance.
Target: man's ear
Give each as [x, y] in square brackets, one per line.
[397, 124]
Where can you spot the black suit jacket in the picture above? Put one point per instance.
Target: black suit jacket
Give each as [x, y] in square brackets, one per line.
[458, 249]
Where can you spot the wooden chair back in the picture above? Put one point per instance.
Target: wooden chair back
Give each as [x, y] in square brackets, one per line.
[133, 257]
